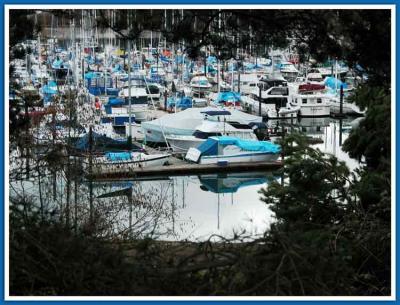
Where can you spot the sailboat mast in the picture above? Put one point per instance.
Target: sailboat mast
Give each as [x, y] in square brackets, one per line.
[129, 90]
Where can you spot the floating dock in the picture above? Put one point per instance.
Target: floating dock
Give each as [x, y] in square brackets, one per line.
[186, 169]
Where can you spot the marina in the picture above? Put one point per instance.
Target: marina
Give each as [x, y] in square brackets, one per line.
[139, 112]
[256, 146]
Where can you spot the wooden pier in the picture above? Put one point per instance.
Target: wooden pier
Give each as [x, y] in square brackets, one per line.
[186, 169]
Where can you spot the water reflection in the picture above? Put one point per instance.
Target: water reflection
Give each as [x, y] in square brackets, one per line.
[330, 133]
[231, 182]
[198, 206]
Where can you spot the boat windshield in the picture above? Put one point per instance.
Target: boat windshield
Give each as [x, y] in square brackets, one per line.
[205, 135]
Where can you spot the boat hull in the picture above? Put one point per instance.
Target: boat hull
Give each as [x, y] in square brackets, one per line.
[126, 166]
[314, 110]
[182, 144]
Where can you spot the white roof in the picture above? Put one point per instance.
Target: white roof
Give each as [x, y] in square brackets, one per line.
[193, 117]
[135, 92]
[314, 75]
[212, 126]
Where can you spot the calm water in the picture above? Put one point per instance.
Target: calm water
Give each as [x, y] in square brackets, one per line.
[185, 207]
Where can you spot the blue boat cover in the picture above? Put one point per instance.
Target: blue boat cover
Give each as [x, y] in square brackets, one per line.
[331, 83]
[117, 68]
[210, 146]
[184, 102]
[116, 101]
[227, 97]
[57, 64]
[90, 75]
[48, 89]
[211, 59]
[118, 156]
[112, 91]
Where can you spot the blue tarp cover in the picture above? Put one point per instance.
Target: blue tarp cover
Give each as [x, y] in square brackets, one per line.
[211, 60]
[228, 97]
[112, 91]
[90, 75]
[210, 147]
[331, 83]
[118, 156]
[116, 101]
[117, 68]
[48, 89]
[57, 64]
[184, 102]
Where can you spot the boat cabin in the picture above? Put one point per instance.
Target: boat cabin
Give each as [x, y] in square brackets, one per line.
[277, 96]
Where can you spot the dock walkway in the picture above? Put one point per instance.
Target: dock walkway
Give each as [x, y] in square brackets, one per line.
[187, 169]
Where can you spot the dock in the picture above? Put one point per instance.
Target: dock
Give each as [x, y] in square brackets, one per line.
[184, 169]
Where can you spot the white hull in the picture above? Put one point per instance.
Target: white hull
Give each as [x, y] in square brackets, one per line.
[182, 144]
[314, 110]
[240, 157]
[157, 135]
[125, 166]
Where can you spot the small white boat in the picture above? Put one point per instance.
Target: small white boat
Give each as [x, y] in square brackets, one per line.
[222, 150]
[113, 162]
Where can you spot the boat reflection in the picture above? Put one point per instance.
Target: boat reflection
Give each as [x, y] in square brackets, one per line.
[230, 183]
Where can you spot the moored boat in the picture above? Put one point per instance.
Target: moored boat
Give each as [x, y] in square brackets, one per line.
[222, 150]
[112, 162]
